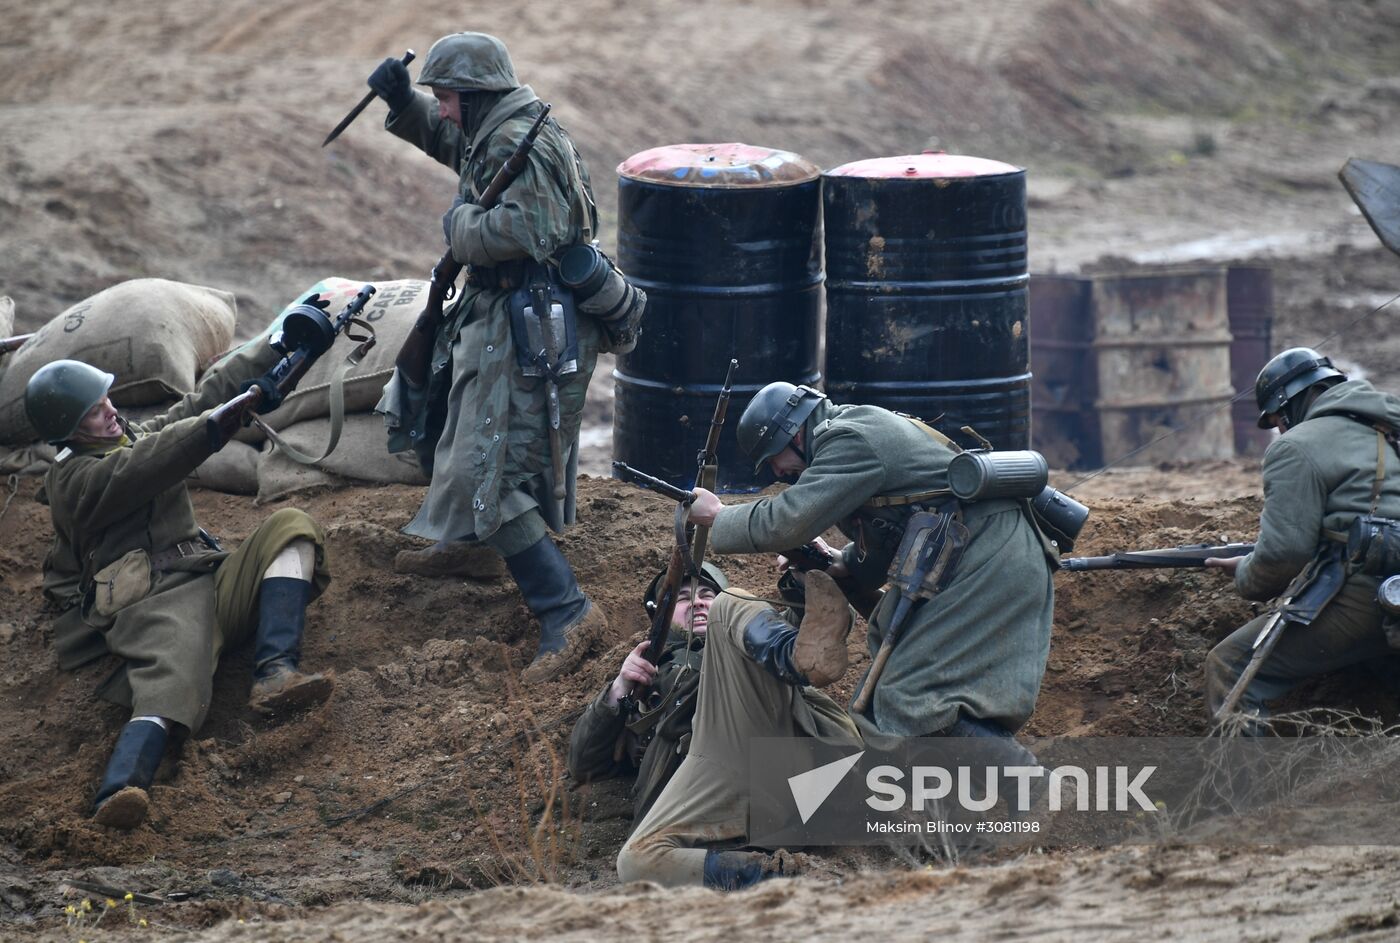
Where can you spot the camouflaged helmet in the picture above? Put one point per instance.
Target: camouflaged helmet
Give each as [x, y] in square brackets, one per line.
[1287, 375]
[711, 575]
[469, 62]
[772, 418]
[59, 395]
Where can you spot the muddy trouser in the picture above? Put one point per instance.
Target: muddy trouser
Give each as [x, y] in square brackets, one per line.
[706, 803]
[1347, 632]
[171, 640]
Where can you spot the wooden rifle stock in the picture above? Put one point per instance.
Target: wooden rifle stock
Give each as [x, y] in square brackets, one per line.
[416, 353]
[9, 344]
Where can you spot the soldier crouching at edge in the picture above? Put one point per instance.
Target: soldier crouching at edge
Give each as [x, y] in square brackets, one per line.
[733, 669]
[136, 577]
[971, 658]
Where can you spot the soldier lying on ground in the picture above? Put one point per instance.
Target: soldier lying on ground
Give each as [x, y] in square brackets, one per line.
[1331, 464]
[734, 669]
[133, 575]
[971, 659]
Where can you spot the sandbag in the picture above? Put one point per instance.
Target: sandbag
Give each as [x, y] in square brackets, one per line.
[361, 456]
[232, 470]
[26, 459]
[154, 335]
[392, 311]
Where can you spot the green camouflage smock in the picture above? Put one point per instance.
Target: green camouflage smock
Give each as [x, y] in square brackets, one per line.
[108, 500]
[981, 645]
[481, 428]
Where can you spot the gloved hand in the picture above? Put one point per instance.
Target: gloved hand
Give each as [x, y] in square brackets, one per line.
[447, 220]
[390, 81]
[271, 398]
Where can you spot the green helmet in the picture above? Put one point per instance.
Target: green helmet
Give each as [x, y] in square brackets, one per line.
[59, 395]
[711, 575]
[469, 62]
[1287, 375]
[772, 418]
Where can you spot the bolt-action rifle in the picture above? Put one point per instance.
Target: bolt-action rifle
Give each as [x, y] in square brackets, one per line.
[8, 344]
[1165, 558]
[417, 350]
[306, 334]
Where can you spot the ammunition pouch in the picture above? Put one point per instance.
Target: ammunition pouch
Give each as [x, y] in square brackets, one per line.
[1373, 546]
[506, 276]
[119, 584]
[545, 345]
[603, 292]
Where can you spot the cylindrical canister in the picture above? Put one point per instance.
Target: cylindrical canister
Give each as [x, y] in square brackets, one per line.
[725, 241]
[926, 292]
[1060, 517]
[981, 476]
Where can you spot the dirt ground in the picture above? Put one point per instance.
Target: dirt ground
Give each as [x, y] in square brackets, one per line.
[181, 140]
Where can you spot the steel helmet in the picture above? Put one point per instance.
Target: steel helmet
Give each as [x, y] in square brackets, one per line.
[1287, 375]
[711, 575]
[59, 394]
[772, 418]
[469, 62]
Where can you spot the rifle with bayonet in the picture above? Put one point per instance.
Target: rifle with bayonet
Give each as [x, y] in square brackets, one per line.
[8, 344]
[305, 335]
[1164, 558]
[415, 355]
[689, 551]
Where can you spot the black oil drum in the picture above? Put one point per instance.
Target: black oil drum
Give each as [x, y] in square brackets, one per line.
[926, 292]
[725, 241]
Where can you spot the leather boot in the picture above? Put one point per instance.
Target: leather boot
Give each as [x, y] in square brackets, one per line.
[452, 558]
[814, 654]
[122, 801]
[569, 622]
[278, 687]
[736, 870]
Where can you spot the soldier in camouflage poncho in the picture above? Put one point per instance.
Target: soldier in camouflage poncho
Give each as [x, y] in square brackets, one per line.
[480, 426]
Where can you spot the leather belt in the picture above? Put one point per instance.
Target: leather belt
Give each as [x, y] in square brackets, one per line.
[161, 560]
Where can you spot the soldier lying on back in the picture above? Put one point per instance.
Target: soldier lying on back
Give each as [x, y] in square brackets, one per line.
[734, 668]
[136, 577]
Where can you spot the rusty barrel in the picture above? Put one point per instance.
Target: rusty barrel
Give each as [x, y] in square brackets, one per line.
[1064, 380]
[1162, 341]
[926, 292]
[1250, 293]
[725, 240]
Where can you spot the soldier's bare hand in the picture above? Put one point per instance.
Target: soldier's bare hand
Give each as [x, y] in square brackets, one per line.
[1228, 564]
[636, 670]
[706, 507]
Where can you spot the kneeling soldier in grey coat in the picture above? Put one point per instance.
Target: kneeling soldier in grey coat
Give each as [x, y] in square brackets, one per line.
[135, 576]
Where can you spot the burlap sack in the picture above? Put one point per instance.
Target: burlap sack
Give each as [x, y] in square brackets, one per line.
[361, 456]
[232, 470]
[154, 335]
[392, 311]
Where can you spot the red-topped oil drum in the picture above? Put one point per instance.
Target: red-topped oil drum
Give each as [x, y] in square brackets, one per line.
[926, 292]
[725, 240]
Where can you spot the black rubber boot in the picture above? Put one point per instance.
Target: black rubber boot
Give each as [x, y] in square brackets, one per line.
[768, 641]
[569, 622]
[733, 870]
[122, 801]
[278, 686]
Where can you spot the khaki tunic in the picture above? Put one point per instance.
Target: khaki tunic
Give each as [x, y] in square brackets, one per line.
[981, 645]
[479, 416]
[109, 501]
[705, 805]
[1317, 478]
